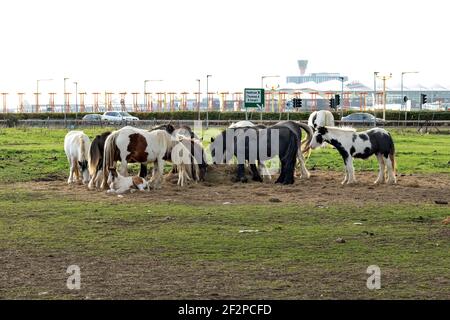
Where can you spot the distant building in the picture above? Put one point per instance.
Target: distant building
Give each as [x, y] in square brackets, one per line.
[312, 77]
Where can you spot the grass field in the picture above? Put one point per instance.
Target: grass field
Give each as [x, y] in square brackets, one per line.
[167, 245]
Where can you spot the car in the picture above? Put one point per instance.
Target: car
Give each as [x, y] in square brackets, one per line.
[92, 117]
[118, 116]
[363, 118]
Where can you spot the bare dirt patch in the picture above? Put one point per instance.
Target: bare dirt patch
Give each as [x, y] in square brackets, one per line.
[324, 187]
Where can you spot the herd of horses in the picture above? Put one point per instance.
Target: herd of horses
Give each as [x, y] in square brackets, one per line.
[243, 142]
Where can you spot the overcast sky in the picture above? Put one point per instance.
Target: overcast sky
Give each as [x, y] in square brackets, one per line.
[115, 45]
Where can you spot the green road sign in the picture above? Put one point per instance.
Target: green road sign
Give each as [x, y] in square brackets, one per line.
[254, 98]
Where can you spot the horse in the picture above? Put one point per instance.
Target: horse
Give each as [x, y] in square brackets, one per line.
[244, 123]
[321, 118]
[96, 160]
[352, 144]
[130, 145]
[119, 184]
[76, 147]
[189, 151]
[252, 144]
[198, 170]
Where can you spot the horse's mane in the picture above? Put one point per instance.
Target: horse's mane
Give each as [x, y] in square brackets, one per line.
[344, 129]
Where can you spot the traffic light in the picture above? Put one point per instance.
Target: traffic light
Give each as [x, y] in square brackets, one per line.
[296, 103]
[337, 100]
[332, 104]
[423, 99]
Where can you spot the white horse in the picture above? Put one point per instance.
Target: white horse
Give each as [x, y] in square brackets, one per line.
[352, 144]
[321, 118]
[76, 146]
[119, 184]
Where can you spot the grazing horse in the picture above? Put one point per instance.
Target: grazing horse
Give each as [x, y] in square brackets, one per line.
[352, 144]
[321, 118]
[131, 145]
[252, 144]
[197, 152]
[244, 123]
[96, 160]
[76, 146]
[189, 151]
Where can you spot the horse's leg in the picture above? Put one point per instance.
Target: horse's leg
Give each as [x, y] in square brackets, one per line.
[143, 171]
[98, 178]
[241, 173]
[380, 178]
[390, 171]
[263, 170]
[282, 175]
[160, 166]
[304, 171]
[350, 170]
[124, 168]
[70, 180]
[255, 173]
[346, 172]
[289, 170]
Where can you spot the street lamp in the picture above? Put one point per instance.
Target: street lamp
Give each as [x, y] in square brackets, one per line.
[401, 101]
[65, 102]
[198, 101]
[76, 99]
[262, 87]
[384, 78]
[145, 90]
[375, 74]
[342, 96]
[207, 98]
[37, 92]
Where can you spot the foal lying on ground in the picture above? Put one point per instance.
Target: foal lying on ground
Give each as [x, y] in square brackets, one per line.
[120, 184]
[352, 144]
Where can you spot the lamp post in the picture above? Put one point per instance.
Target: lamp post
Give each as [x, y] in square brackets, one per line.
[207, 99]
[262, 87]
[145, 90]
[198, 101]
[384, 78]
[375, 74]
[401, 97]
[37, 92]
[64, 107]
[342, 96]
[76, 99]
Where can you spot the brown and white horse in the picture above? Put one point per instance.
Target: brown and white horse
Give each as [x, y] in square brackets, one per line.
[132, 145]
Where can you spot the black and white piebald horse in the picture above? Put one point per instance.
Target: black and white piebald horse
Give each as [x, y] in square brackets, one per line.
[321, 118]
[352, 144]
[261, 144]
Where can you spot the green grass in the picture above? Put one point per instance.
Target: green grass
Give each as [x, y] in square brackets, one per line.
[290, 238]
[34, 153]
[299, 240]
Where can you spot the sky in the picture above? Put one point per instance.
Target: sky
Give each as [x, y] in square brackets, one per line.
[116, 45]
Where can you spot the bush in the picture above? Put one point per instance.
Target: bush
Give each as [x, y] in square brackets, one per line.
[228, 115]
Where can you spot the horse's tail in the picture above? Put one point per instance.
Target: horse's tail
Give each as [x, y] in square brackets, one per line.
[94, 157]
[392, 154]
[109, 155]
[304, 146]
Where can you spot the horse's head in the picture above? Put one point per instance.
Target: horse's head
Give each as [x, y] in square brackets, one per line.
[84, 171]
[319, 137]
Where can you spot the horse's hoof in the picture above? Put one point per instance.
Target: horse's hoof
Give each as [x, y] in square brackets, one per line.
[259, 179]
[244, 180]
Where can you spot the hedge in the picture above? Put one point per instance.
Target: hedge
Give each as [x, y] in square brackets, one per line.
[216, 115]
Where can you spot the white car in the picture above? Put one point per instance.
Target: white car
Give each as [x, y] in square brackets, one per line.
[118, 116]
